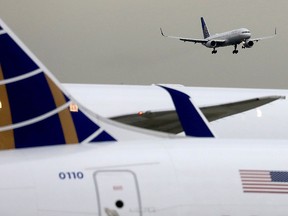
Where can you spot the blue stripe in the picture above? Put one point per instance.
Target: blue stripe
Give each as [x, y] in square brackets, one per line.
[83, 125]
[191, 121]
[30, 98]
[13, 59]
[43, 133]
[104, 136]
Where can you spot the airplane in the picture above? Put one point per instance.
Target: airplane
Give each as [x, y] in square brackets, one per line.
[164, 176]
[229, 38]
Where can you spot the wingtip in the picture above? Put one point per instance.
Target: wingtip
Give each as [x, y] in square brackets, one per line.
[162, 32]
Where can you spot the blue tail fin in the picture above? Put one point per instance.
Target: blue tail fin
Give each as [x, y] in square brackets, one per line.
[205, 30]
[36, 111]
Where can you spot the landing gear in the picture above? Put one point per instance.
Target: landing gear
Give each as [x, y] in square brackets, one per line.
[235, 51]
[214, 51]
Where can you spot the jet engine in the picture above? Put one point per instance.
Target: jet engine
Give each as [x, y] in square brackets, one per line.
[211, 44]
[248, 44]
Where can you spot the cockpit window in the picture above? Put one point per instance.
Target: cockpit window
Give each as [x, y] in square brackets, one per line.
[245, 32]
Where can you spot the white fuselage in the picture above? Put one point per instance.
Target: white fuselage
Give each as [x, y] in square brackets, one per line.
[166, 178]
[233, 37]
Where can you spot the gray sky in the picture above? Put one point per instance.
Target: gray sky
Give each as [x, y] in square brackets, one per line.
[119, 42]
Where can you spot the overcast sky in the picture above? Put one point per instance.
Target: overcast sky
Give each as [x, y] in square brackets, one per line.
[119, 42]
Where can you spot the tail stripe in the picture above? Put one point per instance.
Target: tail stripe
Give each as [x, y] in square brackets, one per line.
[69, 130]
[95, 134]
[21, 77]
[7, 139]
[68, 127]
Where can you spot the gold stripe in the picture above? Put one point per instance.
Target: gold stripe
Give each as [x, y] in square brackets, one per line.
[66, 120]
[6, 138]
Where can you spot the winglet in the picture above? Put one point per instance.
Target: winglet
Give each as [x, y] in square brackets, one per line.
[162, 33]
[193, 122]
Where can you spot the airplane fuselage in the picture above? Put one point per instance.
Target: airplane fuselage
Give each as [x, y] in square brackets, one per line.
[201, 177]
[233, 37]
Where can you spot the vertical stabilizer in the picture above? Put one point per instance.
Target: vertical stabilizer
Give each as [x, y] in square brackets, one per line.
[205, 30]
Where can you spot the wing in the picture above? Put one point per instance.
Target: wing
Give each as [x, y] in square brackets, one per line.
[167, 121]
[194, 40]
[263, 38]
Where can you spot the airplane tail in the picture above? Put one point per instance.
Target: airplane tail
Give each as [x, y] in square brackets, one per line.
[205, 30]
[36, 111]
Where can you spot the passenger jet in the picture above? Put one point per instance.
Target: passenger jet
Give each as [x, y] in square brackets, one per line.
[229, 38]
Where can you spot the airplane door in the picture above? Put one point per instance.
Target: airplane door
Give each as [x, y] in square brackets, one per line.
[117, 193]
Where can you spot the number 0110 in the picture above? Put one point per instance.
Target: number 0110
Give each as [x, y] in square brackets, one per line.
[71, 175]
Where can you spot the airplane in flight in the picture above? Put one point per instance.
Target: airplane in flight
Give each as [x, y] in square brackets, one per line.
[229, 38]
[43, 175]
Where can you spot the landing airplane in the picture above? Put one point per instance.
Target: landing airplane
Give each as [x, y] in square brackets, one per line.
[181, 176]
[230, 38]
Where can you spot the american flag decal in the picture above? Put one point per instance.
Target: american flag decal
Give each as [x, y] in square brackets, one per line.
[264, 181]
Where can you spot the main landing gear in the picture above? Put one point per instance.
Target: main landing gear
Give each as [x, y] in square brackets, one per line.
[214, 51]
[235, 51]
